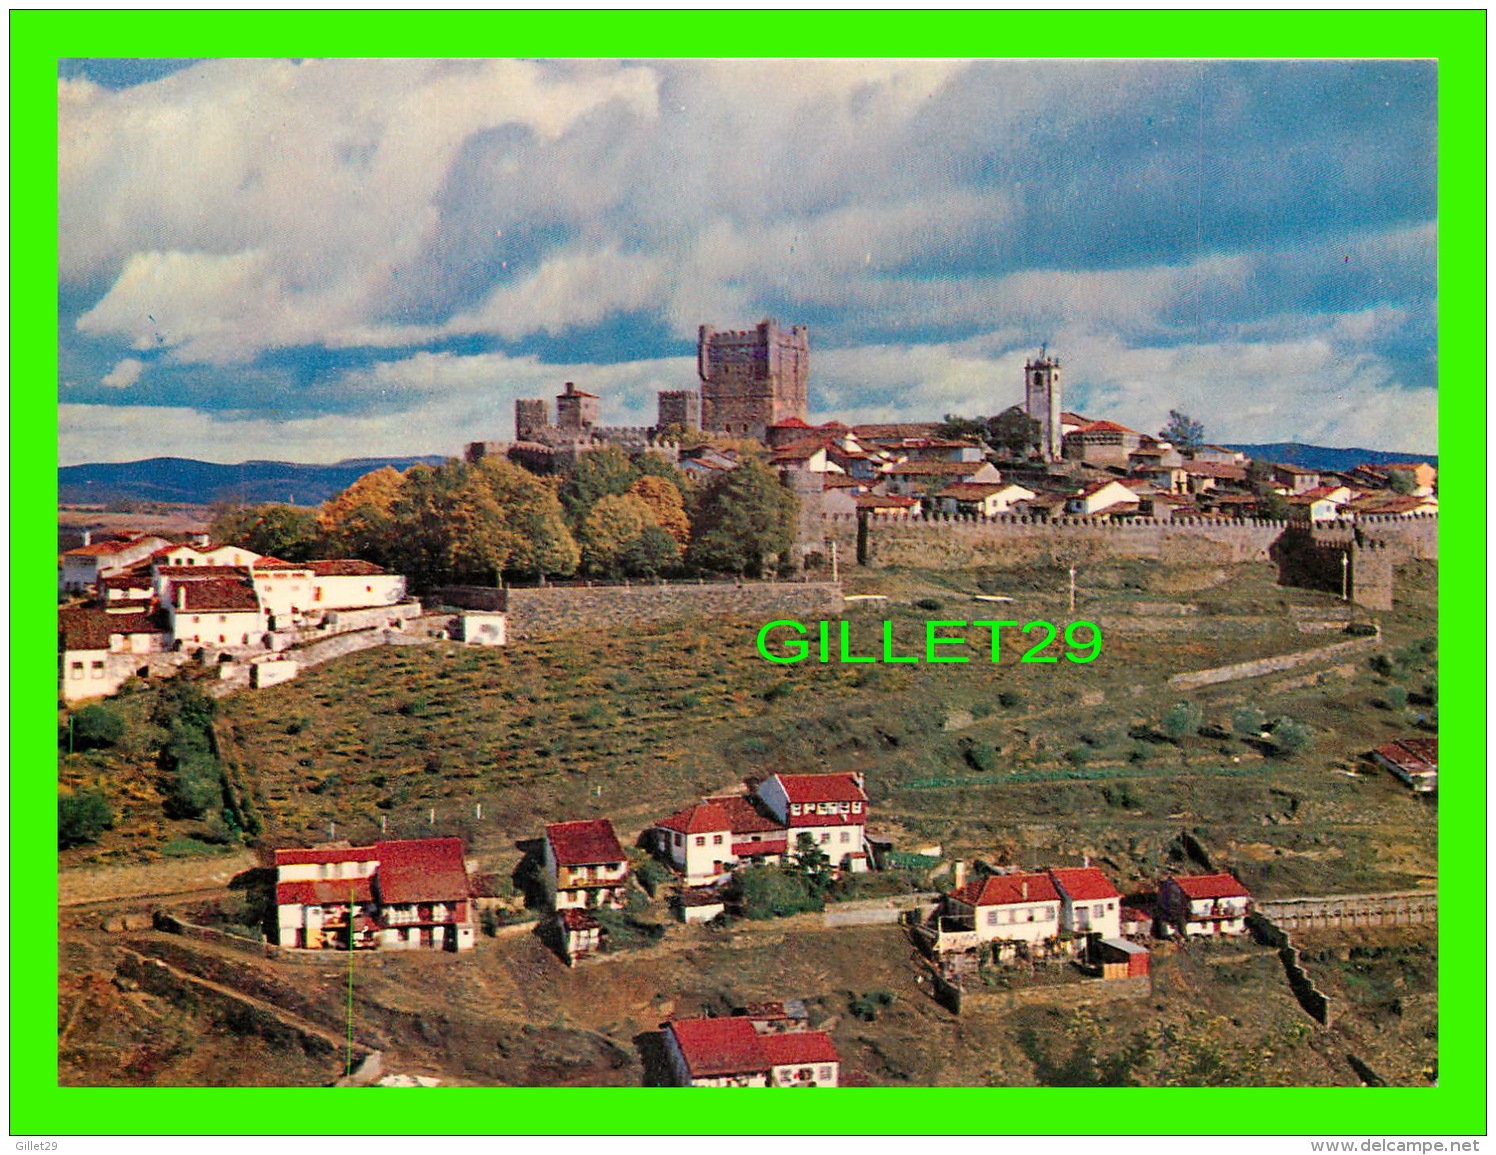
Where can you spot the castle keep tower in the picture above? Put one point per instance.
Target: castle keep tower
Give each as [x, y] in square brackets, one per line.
[753, 378]
[1042, 402]
[531, 415]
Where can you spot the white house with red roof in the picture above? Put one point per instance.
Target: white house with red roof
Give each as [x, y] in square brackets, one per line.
[1009, 907]
[710, 839]
[351, 584]
[1204, 904]
[83, 567]
[215, 612]
[411, 894]
[1322, 503]
[733, 1052]
[831, 809]
[1413, 760]
[585, 865]
[1089, 903]
[988, 498]
[1102, 442]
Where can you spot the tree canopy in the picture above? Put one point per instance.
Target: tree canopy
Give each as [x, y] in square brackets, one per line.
[744, 520]
[1182, 431]
[282, 531]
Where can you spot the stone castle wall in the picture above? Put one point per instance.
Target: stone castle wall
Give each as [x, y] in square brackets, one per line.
[1009, 540]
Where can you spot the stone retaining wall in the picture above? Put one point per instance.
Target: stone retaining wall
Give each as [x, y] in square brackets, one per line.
[1238, 670]
[541, 611]
[1333, 912]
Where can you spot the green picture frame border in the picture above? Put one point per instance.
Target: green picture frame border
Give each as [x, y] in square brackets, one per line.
[1456, 39]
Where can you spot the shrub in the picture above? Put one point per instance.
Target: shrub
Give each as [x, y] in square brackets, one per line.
[1383, 664]
[982, 757]
[867, 1006]
[652, 874]
[82, 816]
[981, 709]
[1395, 697]
[195, 789]
[1249, 722]
[1180, 720]
[766, 892]
[926, 604]
[489, 921]
[95, 727]
[1289, 736]
[1079, 755]
[1008, 699]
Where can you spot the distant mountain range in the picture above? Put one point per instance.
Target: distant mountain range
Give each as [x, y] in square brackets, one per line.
[179, 480]
[1325, 456]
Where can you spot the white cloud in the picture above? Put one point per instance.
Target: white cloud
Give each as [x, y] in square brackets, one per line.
[124, 374]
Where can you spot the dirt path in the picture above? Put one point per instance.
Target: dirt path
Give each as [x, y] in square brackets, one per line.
[82, 885]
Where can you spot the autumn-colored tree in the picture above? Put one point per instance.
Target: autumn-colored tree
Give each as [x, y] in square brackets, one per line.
[650, 554]
[281, 531]
[614, 523]
[743, 521]
[533, 512]
[359, 522]
[667, 505]
[654, 465]
[450, 527]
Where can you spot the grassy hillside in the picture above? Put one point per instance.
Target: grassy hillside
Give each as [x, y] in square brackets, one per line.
[1022, 763]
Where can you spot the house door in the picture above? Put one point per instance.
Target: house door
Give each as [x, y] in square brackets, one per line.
[426, 936]
[1082, 918]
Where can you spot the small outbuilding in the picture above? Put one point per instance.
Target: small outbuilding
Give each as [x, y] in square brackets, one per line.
[1120, 959]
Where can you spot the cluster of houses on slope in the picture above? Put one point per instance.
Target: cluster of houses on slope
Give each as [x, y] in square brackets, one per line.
[218, 603]
[1112, 471]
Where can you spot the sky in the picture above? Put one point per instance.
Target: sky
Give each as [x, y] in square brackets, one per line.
[313, 260]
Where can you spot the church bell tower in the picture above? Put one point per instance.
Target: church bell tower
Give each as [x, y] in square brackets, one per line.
[1042, 401]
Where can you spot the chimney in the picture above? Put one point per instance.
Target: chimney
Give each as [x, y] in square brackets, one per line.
[960, 873]
[88, 537]
[1024, 884]
[1086, 861]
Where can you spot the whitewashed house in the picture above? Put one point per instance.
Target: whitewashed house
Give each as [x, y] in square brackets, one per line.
[585, 865]
[1205, 904]
[1089, 903]
[829, 808]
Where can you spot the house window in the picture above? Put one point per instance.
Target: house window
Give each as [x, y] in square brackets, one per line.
[846, 836]
[1030, 913]
[1098, 910]
[77, 669]
[221, 618]
[196, 619]
[98, 669]
[992, 917]
[716, 840]
[825, 837]
[825, 1074]
[678, 839]
[701, 840]
[857, 808]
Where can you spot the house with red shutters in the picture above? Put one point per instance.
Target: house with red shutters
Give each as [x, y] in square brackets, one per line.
[710, 839]
[829, 809]
[1204, 904]
[1007, 908]
[738, 1051]
[410, 894]
[585, 865]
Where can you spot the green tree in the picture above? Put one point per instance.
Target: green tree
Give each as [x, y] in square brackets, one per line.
[650, 554]
[813, 865]
[603, 473]
[1014, 433]
[282, 531]
[963, 428]
[82, 816]
[1273, 506]
[1180, 721]
[1182, 431]
[654, 465]
[1402, 481]
[95, 727]
[767, 892]
[743, 521]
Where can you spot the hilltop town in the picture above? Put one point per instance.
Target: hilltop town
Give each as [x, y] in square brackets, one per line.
[495, 731]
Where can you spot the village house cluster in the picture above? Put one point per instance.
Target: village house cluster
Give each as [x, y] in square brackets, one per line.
[156, 604]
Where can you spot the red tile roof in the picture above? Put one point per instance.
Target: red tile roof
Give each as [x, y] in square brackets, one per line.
[769, 846]
[1084, 884]
[791, 423]
[133, 579]
[725, 1046]
[798, 1047]
[343, 567]
[89, 628]
[104, 548]
[821, 788]
[421, 870]
[275, 563]
[933, 468]
[323, 891]
[1412, 753]
[202, 572]
[973, 490]
[1105, 427]
[698, 819]
[325, 854]
[745, 816]
[1211, 886]
[573, 919]
[1007, 889]
[216, 595]
[884, 501]
[584, 843]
